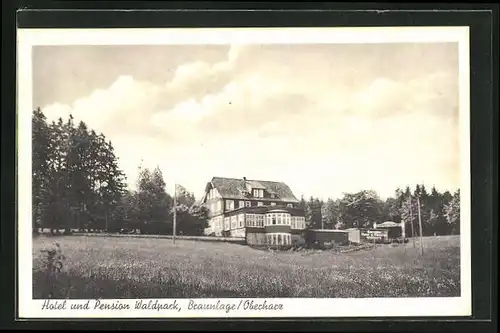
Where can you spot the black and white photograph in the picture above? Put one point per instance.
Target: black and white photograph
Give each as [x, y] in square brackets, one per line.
[244, 172]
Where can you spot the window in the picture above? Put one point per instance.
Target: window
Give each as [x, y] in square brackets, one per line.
[234, 222]
[229, 204]
[301, 223]
[219, 205]
[241, 219]
[279, 219]
[241, 204]
[258, 193]
[290, 205]
[274, 219]
[294, 224]
[273, 203]
[260, 220]
[260, 203]
[248, 204]
[279, 239]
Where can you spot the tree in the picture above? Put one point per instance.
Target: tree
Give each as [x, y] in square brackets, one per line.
[361, 209]
[76, 179]
[41, 142]
[437, 221]
[125, 214]
[184, 197]
[57, 202]
[390, 210]
[329, 214]
[302, 202]
[152, 202]
[421, 196]
[408, 213]
[452, 213]
[197, 221]
[433, 221]
[111, 181]
[313, 213]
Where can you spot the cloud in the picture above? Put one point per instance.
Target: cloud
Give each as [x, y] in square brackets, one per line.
[274, 114]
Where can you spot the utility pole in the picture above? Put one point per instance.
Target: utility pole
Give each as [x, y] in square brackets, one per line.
[175, 211]
[420, 227]
[403, 234]
[411, 221]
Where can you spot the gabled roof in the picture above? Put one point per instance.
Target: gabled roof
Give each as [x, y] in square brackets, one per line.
[388, 224]
[232, 188]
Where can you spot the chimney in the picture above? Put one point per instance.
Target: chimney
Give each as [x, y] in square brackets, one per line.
[244, 179]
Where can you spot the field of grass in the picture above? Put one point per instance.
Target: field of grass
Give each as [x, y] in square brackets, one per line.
[102, 267]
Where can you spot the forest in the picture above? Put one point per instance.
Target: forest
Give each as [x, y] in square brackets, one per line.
[78, 185]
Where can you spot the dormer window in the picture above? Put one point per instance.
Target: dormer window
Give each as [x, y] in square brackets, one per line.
[257, 193]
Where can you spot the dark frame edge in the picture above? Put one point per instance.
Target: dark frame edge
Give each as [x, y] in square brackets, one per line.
[489, 239]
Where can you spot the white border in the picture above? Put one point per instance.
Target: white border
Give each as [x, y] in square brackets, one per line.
[29, 308]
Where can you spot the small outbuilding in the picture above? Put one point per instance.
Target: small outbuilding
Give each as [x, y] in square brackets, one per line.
[354, 235]
[322, 236]
[394, 230]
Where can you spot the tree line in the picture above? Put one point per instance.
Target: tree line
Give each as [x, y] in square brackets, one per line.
[439, 212]
[77, 184]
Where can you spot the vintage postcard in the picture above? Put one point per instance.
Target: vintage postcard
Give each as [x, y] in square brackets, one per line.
[244, 172]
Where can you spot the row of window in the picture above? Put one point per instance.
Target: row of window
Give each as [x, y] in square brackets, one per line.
[255, 220]
[279, 239]
[295, 222]
[258, 221]
[241, 204]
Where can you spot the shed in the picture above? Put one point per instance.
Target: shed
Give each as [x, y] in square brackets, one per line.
[322, 236]
[354, 235]
[394, 230]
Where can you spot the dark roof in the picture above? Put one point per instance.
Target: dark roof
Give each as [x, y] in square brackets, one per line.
[294, 211]
[232, 188]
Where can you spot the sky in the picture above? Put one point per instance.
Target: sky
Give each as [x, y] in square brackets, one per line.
[323, 118]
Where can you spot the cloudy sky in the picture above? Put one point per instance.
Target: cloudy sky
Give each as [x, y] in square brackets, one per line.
[325, 119]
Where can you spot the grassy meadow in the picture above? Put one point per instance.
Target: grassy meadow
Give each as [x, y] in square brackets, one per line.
[122, 267]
